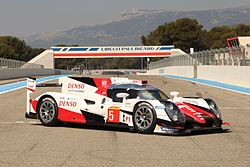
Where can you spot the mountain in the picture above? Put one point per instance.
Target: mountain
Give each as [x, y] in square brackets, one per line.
[131, 25]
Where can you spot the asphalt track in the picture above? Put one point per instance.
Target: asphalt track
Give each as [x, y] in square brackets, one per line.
[27, 143]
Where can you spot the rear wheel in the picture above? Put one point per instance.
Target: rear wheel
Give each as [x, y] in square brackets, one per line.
[48, 111]
[144, 118]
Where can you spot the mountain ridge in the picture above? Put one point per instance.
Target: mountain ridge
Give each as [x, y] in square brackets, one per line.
[131, 25]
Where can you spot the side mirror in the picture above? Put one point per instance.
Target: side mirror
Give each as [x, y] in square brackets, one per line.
[174, 94]
[122, 95]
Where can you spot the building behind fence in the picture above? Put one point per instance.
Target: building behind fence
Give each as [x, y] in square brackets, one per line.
[9, 63]
[237, 56]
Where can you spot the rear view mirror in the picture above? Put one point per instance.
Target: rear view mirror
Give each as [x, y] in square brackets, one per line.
[174, 94]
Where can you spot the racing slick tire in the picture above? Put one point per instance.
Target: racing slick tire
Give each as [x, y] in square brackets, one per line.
[47, 112]
[144, 118]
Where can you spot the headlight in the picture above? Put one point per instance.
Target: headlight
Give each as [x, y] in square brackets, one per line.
[173, 112]
[213, 107]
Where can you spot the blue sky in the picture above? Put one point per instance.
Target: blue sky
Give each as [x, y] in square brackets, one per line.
[28, 17]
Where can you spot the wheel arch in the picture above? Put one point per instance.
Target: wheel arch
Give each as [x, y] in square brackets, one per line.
[151, 128]
[54, 121]
[41, 98]
[136, 104]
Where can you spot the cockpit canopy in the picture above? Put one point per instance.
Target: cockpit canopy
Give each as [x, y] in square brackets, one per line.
[145, 92]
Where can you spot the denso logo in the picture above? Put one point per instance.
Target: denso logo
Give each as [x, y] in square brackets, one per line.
[68, 103]
[75, 86]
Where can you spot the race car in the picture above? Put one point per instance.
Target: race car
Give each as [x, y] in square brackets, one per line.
[122, 102]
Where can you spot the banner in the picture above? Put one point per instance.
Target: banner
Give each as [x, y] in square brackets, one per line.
[112, 51]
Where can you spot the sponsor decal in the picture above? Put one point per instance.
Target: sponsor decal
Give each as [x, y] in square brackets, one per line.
[166, 129]
[76, 91]
[191, 102]
[104, 82]
[160, 107]
[76, 86]
[67, 98]
[70, 98]
[126, 118]
[67, 103]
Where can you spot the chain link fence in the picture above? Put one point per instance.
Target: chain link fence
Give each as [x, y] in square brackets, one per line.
[237, 56]
[9, 63]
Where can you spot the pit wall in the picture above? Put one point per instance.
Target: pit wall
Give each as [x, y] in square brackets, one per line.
[236, 75]
[12, 73]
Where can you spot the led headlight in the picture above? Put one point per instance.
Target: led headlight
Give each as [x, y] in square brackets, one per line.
[173, 112]
[213, 107]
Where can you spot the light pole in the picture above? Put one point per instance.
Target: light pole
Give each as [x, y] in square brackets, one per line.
[148, 60]
[142, 63]
[86, 66]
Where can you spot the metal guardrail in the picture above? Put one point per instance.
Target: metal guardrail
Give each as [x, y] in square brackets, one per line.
[238, 56]
[10, 63]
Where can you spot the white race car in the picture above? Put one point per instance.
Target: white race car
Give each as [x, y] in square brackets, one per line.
[123, 103]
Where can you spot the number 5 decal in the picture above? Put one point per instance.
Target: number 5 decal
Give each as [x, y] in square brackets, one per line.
[113, 114]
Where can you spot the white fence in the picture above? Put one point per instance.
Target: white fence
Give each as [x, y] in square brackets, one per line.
[228, 65]
[9, 63]
[238, 56]
[236, 75]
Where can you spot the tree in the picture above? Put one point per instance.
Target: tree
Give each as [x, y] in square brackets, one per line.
[6, 51]
[242, 29]
[217, 36]
[183, 33]
[14, 48]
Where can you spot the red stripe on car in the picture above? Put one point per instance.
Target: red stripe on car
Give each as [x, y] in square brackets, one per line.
[200, 110]
[70, 116]
[32, 90]
[34, 104]
[191, 112]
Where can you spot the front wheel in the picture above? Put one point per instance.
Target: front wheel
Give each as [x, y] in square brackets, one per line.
[48, 111]
[144, 118]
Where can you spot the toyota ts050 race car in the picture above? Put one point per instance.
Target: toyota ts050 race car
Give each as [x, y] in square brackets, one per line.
[123, 102]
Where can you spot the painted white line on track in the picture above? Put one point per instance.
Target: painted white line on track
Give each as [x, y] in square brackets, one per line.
[20, 122]
[234, 108]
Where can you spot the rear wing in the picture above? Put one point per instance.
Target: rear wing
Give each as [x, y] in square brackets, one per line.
[31, 88]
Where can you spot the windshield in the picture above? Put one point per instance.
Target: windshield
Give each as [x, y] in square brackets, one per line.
[152, 95]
